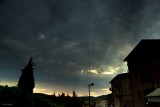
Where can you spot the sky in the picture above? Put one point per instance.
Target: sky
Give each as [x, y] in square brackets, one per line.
[73, 42]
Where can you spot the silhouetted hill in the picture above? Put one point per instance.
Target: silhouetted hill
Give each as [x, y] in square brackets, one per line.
[102, 97]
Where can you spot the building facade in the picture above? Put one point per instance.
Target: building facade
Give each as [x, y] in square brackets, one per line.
[144, 69]
[101, 103]
[121, 91]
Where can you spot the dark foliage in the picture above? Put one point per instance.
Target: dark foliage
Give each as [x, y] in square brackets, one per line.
[15, 97]
[67, 101]
[26, 80]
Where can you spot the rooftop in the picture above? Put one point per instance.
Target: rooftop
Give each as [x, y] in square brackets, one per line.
[147, 46]
[155, 93]
[123, 75]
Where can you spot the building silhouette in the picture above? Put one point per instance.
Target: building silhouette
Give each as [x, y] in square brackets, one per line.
[144, 68]
[121, 91]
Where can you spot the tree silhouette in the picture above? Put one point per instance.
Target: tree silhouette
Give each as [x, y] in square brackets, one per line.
[26, 80]
[74, 94]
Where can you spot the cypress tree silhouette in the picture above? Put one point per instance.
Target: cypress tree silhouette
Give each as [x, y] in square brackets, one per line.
[26, 80]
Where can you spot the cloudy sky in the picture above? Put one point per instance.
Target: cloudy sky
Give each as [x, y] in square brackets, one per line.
[73, 42]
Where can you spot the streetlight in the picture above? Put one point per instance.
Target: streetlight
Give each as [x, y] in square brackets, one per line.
[89, 91]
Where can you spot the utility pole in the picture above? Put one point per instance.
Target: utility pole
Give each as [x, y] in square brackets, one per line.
[89, 93]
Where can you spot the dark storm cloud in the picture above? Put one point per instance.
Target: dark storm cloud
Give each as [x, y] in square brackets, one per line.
[67, 36]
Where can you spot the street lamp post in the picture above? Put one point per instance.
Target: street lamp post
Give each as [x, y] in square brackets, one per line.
[89, 92]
